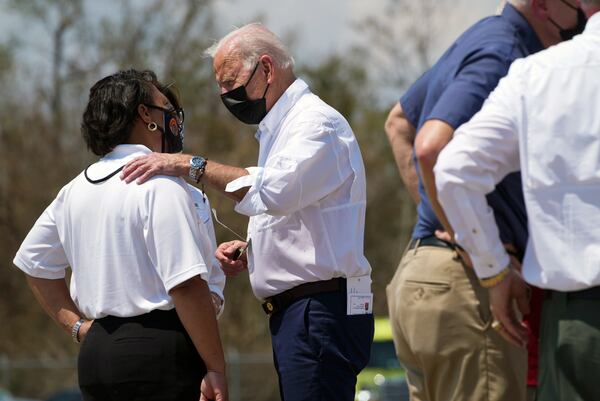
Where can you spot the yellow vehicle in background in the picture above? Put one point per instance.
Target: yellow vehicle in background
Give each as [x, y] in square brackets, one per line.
[383, 378]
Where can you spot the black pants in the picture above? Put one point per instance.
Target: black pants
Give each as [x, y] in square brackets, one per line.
[148, 357]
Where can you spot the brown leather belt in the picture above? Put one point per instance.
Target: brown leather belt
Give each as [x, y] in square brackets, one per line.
[281, 301]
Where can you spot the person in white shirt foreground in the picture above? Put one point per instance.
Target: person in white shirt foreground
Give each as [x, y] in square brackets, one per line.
[140, 257]
[543, 120]
[306, 199]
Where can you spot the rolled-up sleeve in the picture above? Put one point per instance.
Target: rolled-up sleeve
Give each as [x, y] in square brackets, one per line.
[482, 152]
[311, 165]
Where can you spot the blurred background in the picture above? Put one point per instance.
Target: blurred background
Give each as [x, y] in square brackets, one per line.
[358, 55]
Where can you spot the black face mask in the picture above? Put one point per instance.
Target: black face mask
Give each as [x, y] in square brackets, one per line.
[567, 34]
[173, 131]
[246, 110]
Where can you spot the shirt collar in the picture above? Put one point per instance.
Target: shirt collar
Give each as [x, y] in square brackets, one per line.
[525, 31]
[282, 106]
[593, 24]
[125, 150]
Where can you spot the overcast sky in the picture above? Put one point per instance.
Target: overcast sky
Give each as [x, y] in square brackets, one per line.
[325, 26]
[320, 27]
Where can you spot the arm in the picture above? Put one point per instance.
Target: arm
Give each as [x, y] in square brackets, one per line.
[432, 138]
[54, 297]
[216, 175]
[401, 135]
[43, 260]
[482, 152]
[312, 164]
[194, 307]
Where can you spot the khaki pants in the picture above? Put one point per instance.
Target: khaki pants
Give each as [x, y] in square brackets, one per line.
[441, 322]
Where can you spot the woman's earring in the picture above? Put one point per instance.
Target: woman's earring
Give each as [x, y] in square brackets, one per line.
[152, 126]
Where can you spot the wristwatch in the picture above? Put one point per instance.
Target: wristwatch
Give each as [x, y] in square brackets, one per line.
[197, 166]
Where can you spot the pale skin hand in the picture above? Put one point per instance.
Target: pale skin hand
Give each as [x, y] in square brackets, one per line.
[214, 387]
[503, 296]
[143, 168]
[216, 175]
[224, 255]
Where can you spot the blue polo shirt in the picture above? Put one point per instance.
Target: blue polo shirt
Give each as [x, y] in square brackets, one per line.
[454, 89]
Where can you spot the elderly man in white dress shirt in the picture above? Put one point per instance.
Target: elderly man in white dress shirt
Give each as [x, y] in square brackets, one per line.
[542, 119]
[306, 199]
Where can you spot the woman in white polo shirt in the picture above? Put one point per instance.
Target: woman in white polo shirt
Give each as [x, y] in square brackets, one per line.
[139, 300]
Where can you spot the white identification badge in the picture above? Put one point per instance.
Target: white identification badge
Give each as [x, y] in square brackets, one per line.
[359, 298]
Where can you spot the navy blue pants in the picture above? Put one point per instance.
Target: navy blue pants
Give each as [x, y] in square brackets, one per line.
[318, 350]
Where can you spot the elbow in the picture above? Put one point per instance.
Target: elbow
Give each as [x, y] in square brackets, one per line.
[427, 154]
[390, 127]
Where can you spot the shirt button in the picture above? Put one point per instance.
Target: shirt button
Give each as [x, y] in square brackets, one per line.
[474, 231]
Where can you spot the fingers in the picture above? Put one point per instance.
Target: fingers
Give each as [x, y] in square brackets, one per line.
[510, 328]
[233, 270]
[143, 168]
[225, 255]
[501, 304]
[146, 172]
[130, 171]
[443, 235]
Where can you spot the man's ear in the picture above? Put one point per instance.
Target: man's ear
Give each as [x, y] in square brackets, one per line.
[267, 66]
[144, 114]
[540, 9]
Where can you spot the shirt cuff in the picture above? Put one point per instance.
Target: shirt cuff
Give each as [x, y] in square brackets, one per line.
[196, 270]
[491, 263]
[37, 271]
[251, 204]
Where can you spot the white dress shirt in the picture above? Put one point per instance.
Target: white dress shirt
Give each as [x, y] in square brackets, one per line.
[542, 119]
[307, 196]
[127, 245]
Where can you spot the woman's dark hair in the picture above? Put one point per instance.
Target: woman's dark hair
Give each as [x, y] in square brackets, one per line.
[112, 108]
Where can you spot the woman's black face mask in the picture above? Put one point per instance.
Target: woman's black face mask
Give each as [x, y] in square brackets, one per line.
[244, 109]
[173, 131]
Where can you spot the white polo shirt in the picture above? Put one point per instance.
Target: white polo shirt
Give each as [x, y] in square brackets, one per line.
[306, 197]
[208, 243]
[127, 245]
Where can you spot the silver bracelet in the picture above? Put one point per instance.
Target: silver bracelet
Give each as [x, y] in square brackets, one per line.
[75, 330]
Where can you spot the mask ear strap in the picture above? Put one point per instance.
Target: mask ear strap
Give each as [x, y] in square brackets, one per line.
[266, 89]
[570, 5]
[251, 75]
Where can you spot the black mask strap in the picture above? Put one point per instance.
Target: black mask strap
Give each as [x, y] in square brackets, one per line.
[251, 75]
[100, 180]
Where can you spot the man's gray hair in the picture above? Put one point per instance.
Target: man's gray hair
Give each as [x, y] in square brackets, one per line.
[250, 42]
